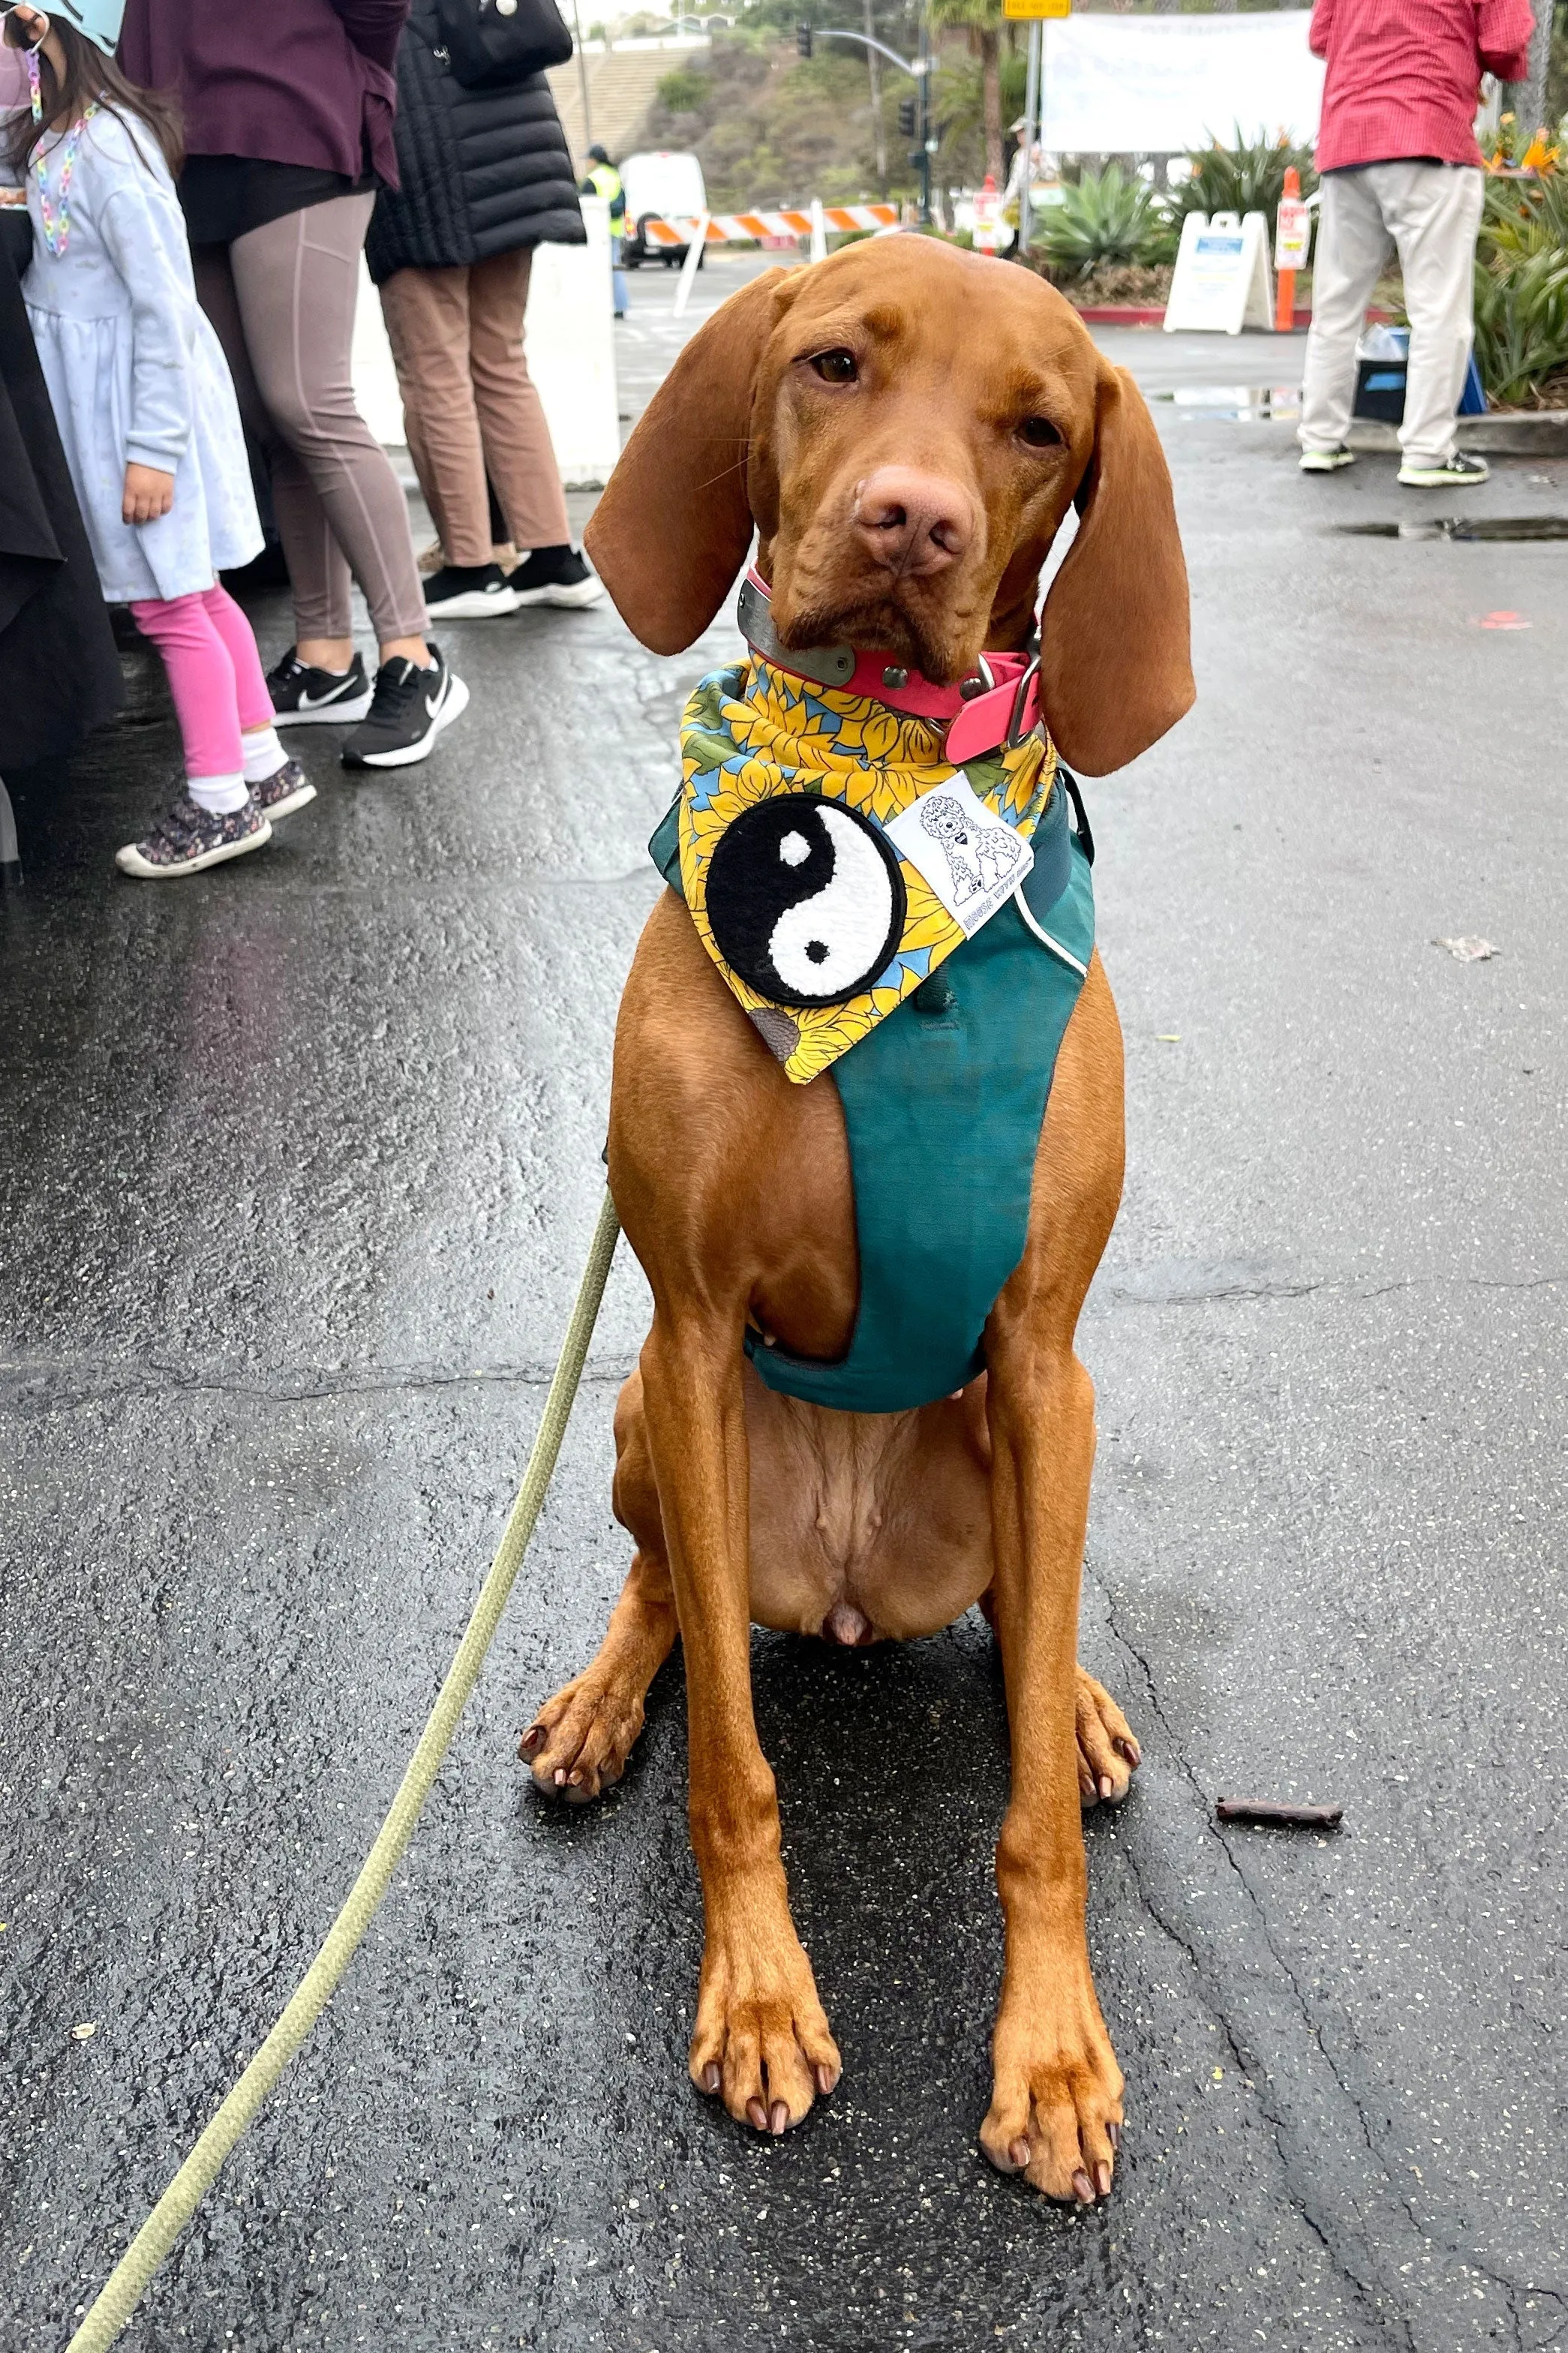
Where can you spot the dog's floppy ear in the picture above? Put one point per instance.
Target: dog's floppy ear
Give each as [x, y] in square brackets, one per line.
[673, 527]
[1115, 658]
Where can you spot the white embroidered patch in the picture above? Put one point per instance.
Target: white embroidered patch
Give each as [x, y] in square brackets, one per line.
[971, 860]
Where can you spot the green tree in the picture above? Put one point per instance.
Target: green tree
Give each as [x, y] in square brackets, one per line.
[983, 21]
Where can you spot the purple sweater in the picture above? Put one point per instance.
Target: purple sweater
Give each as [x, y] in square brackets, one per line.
[290, 81]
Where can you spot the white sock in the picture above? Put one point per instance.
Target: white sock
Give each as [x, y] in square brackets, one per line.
[264, 754]
[219, 796]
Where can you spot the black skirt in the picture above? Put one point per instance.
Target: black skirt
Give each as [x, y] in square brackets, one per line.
[59, 674]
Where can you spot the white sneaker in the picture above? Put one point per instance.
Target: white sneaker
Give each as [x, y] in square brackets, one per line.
[1327, 462]
[1460, 467]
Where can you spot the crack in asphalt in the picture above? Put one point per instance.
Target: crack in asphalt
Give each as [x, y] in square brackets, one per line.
[1372, 2290]
[1126, 1287]
[59, 1382]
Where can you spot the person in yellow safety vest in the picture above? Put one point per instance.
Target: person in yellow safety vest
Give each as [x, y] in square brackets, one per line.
[603, 179]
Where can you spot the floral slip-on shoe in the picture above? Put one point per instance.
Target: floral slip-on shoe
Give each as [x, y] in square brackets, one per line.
[189, 838]
[288, 788]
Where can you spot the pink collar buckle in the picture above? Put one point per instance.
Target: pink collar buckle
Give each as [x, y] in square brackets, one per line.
[999, 703]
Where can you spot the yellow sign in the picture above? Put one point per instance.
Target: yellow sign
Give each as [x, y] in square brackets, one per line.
[1036, 7]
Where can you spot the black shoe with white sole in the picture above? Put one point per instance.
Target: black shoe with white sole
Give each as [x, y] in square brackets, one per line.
[469, 592]
[410, 709]
[303, 697]
[555, 575]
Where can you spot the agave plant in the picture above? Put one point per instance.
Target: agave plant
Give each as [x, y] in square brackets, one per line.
[1106, 217]
[1248, 176]
[1525, 216]
[1522, 320]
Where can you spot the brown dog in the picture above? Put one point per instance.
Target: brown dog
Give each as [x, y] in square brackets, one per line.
[905, 426]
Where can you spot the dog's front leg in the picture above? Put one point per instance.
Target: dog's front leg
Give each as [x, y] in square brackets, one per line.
[1056, 2106]
[761, 2038]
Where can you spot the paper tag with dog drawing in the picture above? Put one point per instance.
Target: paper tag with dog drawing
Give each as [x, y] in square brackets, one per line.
[971, 860]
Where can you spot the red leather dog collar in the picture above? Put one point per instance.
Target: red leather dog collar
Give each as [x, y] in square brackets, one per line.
[1000, 703]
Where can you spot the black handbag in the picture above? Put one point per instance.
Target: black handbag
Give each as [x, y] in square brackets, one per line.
[489, 43]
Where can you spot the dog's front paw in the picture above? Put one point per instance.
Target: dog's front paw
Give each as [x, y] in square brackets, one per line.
[761, 2042]
[1056, 2098]
[579, 1741]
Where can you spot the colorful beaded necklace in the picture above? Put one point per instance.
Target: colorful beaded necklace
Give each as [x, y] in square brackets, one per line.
[56, 225]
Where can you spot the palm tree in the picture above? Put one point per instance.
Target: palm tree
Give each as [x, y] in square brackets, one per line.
[982, 20]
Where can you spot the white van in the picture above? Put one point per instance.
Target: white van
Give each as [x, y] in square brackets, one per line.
[662, 184]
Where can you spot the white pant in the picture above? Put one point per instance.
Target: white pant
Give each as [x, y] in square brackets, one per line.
[1429, 213]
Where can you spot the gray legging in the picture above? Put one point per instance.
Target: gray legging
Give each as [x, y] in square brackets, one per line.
[282, 299]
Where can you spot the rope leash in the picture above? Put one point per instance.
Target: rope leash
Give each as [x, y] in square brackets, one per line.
[128, 2280]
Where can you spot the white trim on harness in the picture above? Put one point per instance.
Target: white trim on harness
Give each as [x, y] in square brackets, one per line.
[1044, 936]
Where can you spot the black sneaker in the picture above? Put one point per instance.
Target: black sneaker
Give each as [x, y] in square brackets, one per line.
[288, 788]
[303, 697]
[190, 838]
[410, 709]
[555, 575]
[467, 592]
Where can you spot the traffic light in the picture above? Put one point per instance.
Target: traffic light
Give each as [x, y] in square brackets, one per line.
[906, 118]
[802, 39]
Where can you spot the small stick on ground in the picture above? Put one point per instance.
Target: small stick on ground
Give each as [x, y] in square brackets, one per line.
[1278, 1817]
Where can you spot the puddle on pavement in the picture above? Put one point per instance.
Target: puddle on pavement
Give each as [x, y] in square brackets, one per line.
[1461, 527]
[1244, 403]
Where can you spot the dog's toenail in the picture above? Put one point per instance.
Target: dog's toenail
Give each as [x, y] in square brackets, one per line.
[824, 2079]
[577, 1778]
[1113, 2135]
[1018, 2150]
[1102, 2180]
[1084, 2189]
[1106, 1786]
[758, 2115]
[778, 2118]
[560, 1777]
[1130, 1750]
[712, 2076]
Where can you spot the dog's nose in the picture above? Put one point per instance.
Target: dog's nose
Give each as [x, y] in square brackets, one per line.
[912, 523]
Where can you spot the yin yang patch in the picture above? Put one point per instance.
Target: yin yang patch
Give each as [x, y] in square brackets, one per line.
[806, 899]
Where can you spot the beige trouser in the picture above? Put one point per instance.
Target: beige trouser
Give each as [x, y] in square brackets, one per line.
[282, 298]
[1429, 214]
[470, 406]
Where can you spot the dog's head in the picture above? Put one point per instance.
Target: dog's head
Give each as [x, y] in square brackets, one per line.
[905, 428]
[943, 819]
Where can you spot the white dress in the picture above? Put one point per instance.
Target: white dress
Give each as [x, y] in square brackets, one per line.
[134, 370]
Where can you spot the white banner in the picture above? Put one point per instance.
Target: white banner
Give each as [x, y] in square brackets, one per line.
[1157, 85]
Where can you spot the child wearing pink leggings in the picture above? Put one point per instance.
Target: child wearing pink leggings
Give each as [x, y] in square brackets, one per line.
[148, 417]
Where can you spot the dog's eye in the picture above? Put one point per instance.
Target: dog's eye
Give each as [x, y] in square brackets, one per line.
[835, 367]
[1038, 432]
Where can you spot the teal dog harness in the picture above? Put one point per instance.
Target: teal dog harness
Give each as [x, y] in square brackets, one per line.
[944, 1103]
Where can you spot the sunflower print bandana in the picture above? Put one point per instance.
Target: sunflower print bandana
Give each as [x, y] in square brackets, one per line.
[830, 857]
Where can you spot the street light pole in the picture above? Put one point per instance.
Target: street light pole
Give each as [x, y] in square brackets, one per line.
[1031, 116]
[921, 68]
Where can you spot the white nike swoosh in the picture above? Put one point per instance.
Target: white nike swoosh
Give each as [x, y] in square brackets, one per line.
[314, 701]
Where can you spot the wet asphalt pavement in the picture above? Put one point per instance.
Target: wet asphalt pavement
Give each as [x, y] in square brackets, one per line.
[298, 1167]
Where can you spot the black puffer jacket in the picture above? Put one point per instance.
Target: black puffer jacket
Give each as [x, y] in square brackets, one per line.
[483, 171]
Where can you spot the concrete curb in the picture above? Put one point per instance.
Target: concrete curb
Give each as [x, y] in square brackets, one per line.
[1541, 433]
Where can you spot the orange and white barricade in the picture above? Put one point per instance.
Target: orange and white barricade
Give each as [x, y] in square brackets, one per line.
[736, 228]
